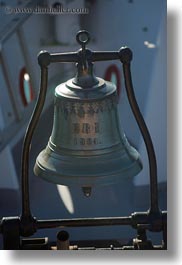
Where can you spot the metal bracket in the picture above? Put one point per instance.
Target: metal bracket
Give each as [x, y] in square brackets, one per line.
[10, 228]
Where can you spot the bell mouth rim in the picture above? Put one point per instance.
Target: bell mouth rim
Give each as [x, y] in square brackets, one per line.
[58, 167]
[89, 180]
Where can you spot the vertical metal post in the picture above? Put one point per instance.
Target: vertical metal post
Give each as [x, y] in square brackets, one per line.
[63, 240]
[125, 55]
[26, 212]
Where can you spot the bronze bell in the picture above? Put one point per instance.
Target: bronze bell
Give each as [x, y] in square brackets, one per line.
[87, 146]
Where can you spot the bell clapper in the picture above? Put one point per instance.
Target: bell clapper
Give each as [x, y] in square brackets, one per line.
[87, 191]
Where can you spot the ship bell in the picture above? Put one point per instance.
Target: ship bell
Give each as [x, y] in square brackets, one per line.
[87, 146]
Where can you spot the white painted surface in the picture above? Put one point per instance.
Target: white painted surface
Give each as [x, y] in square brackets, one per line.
[155, 112]
[67, 25]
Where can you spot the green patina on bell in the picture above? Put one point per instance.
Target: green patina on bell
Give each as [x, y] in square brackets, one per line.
[87, 146]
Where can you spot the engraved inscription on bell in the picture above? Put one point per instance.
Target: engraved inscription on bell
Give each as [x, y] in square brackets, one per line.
[87, 131]
[85, 128]
[86, 125]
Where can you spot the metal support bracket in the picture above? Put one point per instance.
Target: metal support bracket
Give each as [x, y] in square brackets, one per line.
[10, 227]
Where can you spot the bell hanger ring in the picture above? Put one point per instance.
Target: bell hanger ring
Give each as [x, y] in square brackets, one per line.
[83, 37]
